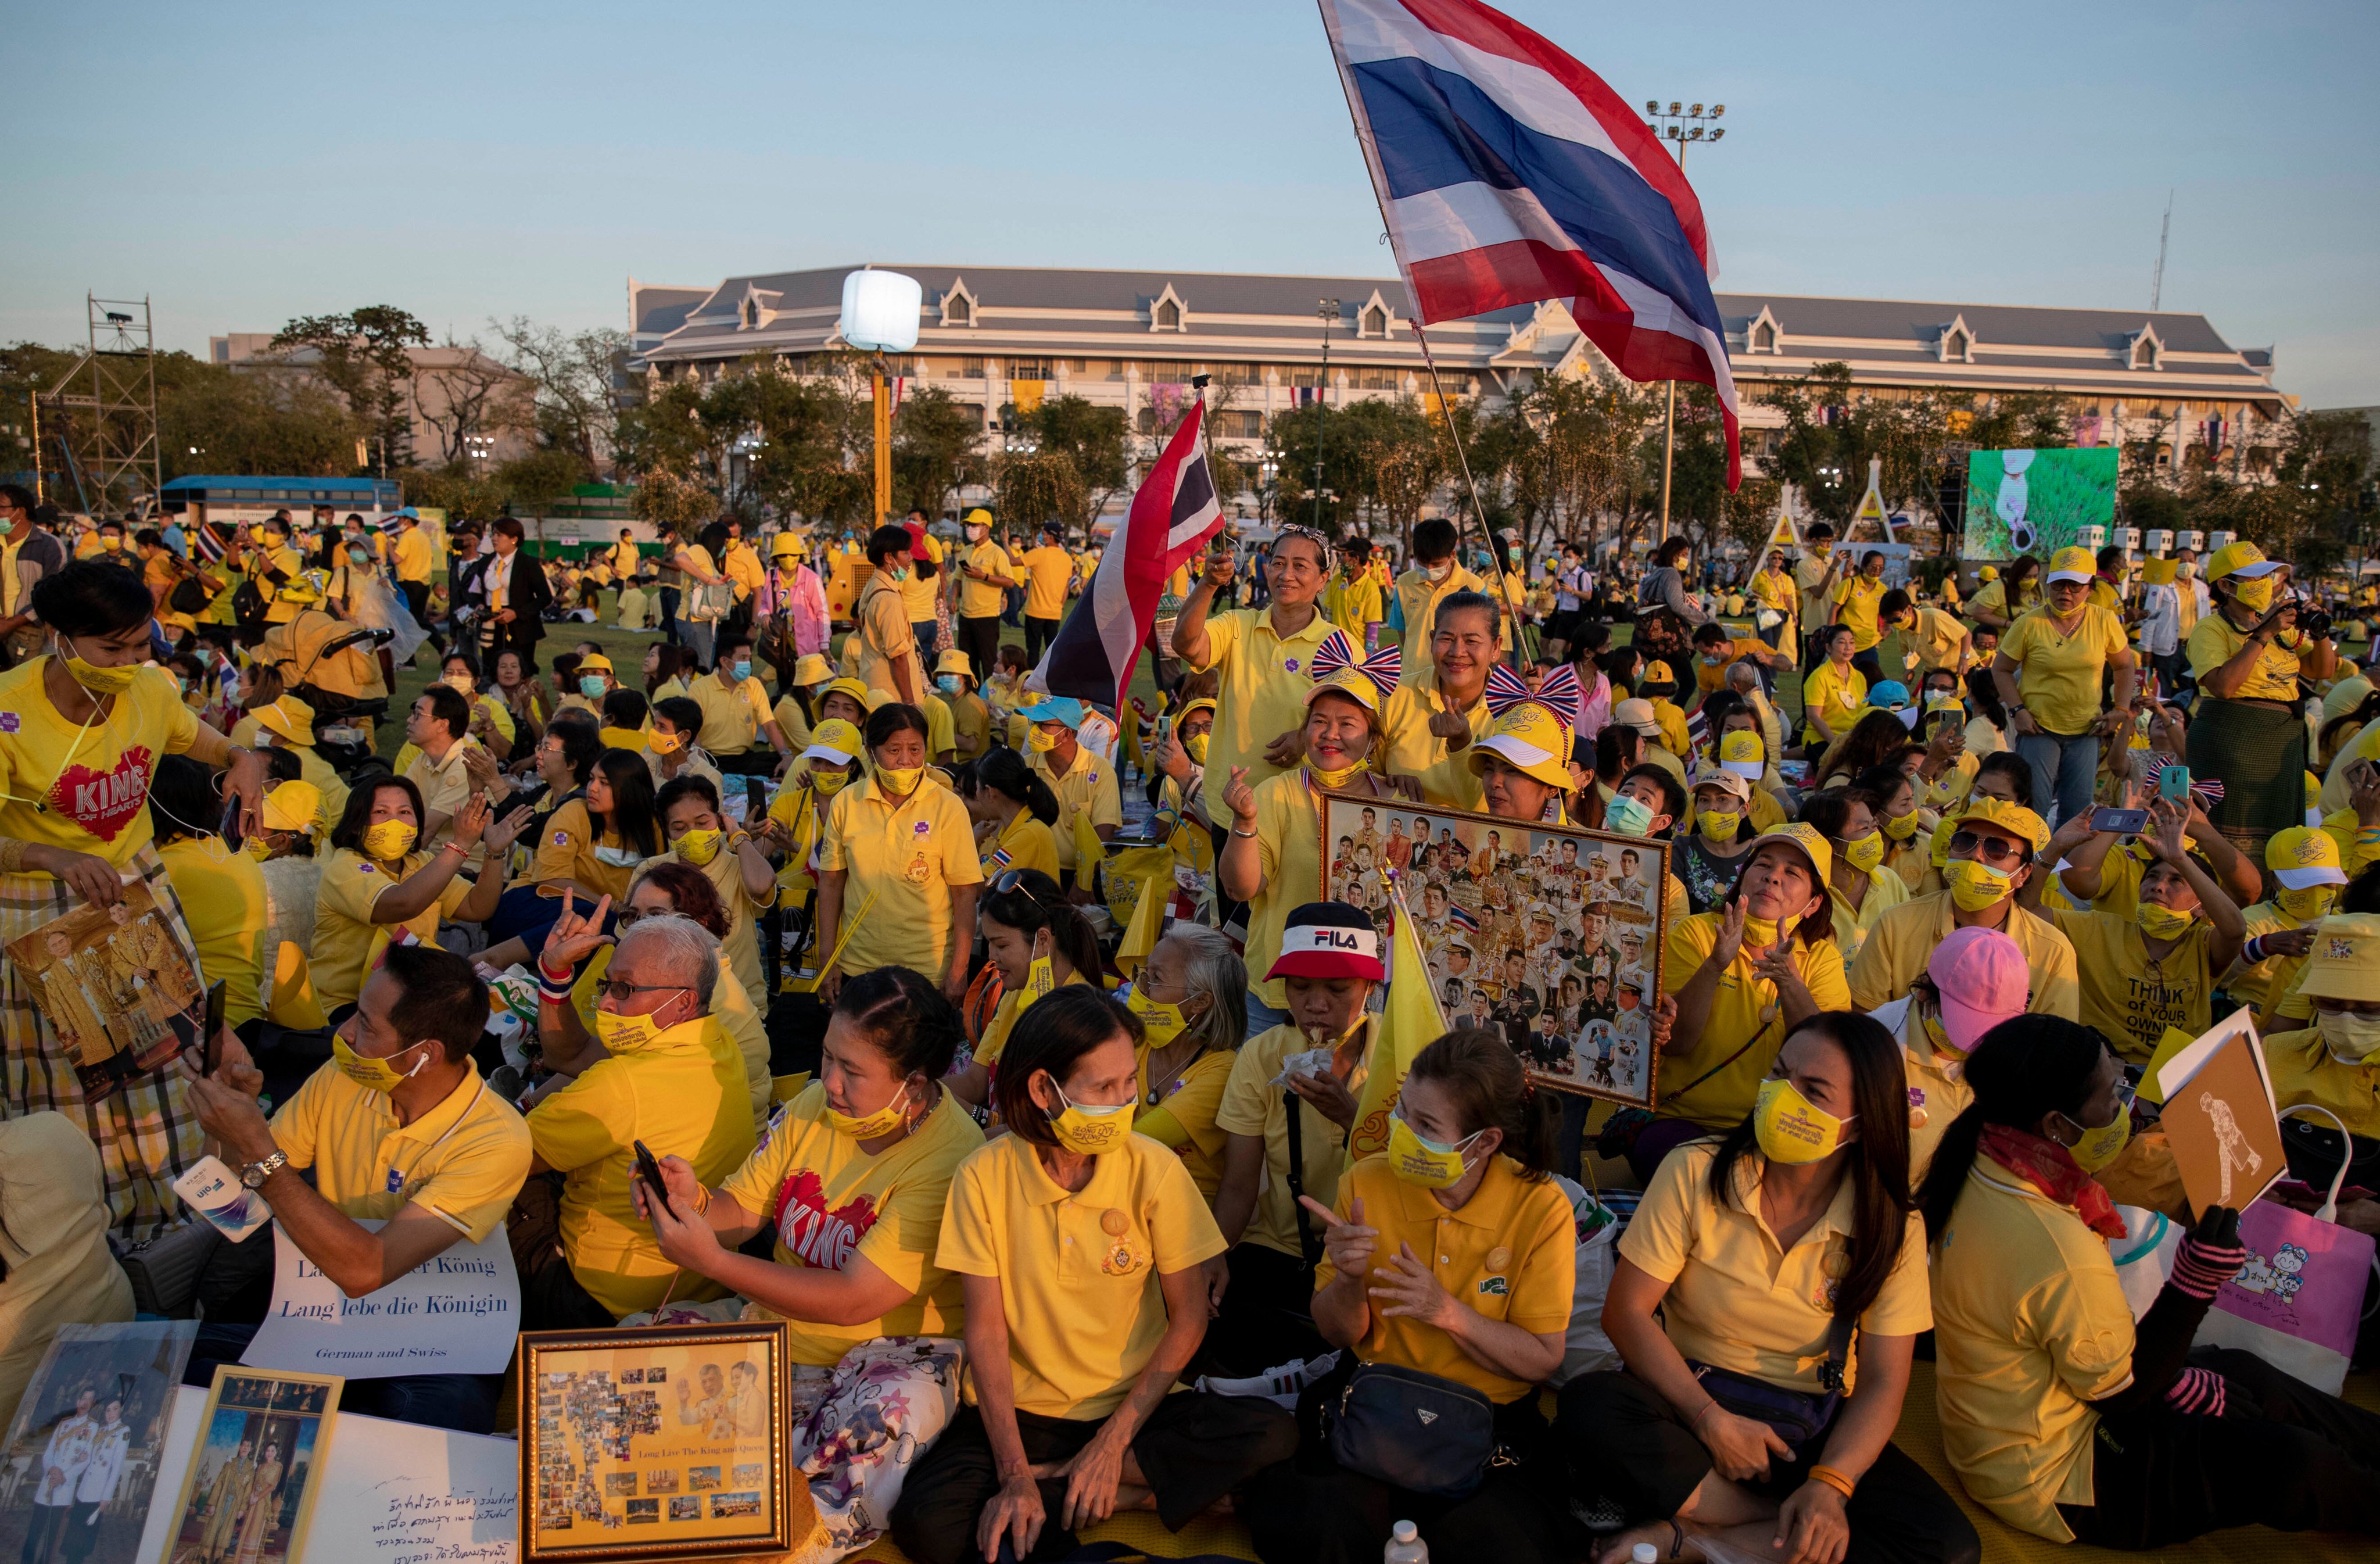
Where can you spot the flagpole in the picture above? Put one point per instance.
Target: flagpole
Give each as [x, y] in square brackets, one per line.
[1454, 439]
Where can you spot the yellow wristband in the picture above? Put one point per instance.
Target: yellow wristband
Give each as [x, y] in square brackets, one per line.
[1833, 1479]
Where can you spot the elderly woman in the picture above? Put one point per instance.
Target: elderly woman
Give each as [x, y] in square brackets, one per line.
[1191, 997]
[1081, 1249]
[875, 1319]
[2048, 673]
[1431, 725]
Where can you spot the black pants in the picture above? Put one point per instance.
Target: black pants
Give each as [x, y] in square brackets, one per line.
[979, 639]
[2283, 1455]
[1623, 1441]
[1194, 1450]
[1038, 633]
[1312, 1510]
[1268, 1316]
[49, 1522]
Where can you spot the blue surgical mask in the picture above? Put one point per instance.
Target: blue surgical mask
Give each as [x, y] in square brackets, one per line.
[743, 667]
[1627, 816]
[590, 686]
[947, 683]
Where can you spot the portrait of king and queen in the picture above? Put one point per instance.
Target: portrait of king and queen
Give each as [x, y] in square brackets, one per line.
[1551, 934]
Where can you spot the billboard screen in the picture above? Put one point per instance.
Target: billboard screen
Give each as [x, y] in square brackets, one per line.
[2032, 502]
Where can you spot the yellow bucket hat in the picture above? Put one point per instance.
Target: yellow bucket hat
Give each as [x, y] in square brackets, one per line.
[955, 661]
[292, 806]
[812, 669]
[288, 718]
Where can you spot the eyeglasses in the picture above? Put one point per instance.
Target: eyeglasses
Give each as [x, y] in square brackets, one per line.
[622, 992]
[1991, 850]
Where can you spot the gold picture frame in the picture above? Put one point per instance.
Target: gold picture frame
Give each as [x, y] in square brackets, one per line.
[264, 1442]
[615, 1425]
[1541, 932]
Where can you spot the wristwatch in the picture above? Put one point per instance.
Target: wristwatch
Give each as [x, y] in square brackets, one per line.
[255, 1173]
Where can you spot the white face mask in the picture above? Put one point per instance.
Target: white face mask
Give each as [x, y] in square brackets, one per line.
[2351, 1039]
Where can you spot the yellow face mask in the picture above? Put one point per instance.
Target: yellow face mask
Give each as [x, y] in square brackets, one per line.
[2256, 596]
[1865, 853]
[901, 779]
[1195, 748]
[1162, 1022]
[1089, 1130]
[1789, 1130]
[2096, 1148]
[662, 743]
[1719, 824]
[1900, 827]
[826, 781]
[700, 847]
[626, 1034]
[374, 1074]
[2309, 904]
[880, 1122]
[1765, 932]
[390, 840]
[1040, 739]
[1333, 780]
[99, 680]
[1424, 1164]
[2162, 922]
[1975, 886]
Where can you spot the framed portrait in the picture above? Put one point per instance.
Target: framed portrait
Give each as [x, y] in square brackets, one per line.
[1551, 934]
[669, 1442]
[83, 1452]
[254, 1477]
[118, 989]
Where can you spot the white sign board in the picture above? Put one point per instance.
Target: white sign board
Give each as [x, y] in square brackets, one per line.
[393, 1493]
[455, 1313]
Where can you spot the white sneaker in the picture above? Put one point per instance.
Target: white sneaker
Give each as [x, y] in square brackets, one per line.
[1279, 1385]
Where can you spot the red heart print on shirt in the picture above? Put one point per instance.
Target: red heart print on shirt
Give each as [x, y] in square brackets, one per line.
[823, 1238]
[103, 803]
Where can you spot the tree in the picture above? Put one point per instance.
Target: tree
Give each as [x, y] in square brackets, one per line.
[1092, 438]
[676, 503]
[535, 482]
[364, 354]
[470, 393]
[218, 420]
[570, 376]
[937, 450]
[1036, 486]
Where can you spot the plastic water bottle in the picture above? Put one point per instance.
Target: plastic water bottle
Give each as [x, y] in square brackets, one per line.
[1405, 1545]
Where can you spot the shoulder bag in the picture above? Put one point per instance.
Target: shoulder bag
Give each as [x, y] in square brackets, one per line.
[1415, 1430]
[1798, 1416]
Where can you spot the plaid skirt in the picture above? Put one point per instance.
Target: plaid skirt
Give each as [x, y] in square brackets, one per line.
[146, 1131]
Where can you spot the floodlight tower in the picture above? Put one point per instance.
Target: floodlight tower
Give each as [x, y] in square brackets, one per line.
[1681, 127]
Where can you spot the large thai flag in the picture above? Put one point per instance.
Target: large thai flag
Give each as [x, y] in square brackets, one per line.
[1508, 173]
[1173, 515]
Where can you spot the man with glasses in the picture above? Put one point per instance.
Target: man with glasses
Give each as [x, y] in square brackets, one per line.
[1991, 861]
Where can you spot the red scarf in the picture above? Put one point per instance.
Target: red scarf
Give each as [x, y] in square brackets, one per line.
[2051, 1168]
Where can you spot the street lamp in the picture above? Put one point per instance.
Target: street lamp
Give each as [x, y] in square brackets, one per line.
[1680, 127]
[879, 316]
[1327, 311]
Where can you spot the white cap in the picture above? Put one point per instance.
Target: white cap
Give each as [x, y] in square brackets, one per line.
[1644, 1553]
[1404, 1531]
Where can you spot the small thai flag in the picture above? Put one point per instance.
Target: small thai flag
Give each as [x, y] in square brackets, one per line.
[1460, 916]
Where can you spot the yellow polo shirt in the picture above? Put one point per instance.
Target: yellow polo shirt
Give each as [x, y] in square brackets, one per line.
[2030, 1326]
[1902, 941]
[902, 860]
[1808, 571]
[413, 555]
[2129, 999]
[1090, 784]
[1885, 890]
[1185, 1118]
[1289, 855]
[1252, 1105]
[1745, 1006]
[2059, 674]
[942, 731]
[742, 566]
[344, 935]
[1048, 572]
[1355, 604]
[682, 1096]
[733, 720]
[568, 850]
[733, 1018]
[1265, 679]
[1834, 698]
[1084, 1306]
[1934, 638]
[1026, 843]
[2303, 1071]
[1510, 1251]
[462, 1162]
[2215, 641]
[882, 635]
[1417, 600]
[226, 904]
[831, 1202]
[1446, 777]
[1856, 598]
[983, 599]
[1738, 1300]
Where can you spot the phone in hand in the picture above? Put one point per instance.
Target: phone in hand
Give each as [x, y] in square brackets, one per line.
[2173, 784]
[649, 1170]
[2122, 822]
[229, 830]
[210, 1041]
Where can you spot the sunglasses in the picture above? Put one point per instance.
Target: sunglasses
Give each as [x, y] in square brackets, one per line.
[622, 992]
[1991, 850]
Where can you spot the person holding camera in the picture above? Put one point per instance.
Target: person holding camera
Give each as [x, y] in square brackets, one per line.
[2249, 658]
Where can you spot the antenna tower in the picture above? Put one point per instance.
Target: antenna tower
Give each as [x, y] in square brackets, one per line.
[105, 408]
[2165, 232]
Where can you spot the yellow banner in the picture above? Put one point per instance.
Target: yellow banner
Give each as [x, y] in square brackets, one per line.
[1026, 395]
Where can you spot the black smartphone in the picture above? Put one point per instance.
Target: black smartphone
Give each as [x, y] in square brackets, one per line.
[2122, 822]
[229, 830]
[649, 1171]
[210, 1041]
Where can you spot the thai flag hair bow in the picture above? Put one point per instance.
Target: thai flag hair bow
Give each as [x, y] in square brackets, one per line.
[1337, 655]
[1558, 692]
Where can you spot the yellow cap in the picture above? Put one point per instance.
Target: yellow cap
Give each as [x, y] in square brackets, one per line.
[978, 517]
[955, 661]
[812, 669]
[835, 740]
[1658, 673]
[1988, 573]
[2345, 960]
[2302, 856]
[2013, 818]
[1357, 686]
[2239, 559]
[1533, 742]
[2072, 565]
[1805, 840]
[594, 662]
[292, 806]
[1745, 754]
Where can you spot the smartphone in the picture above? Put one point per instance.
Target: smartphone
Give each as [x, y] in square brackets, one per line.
[210, 1041]
[2173, 783]
[229, 830]
[2122, 822]
[649, 1171]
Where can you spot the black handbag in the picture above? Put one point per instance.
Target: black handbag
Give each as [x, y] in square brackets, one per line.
[1413, 1430]
[1798, 1416]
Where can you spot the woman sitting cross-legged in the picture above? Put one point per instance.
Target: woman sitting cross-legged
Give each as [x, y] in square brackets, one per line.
[852, 1175]
[1449, 1256]
[1082, 1248]
[1757, 1408]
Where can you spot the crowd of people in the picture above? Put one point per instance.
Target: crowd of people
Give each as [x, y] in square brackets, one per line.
[1062, 1224]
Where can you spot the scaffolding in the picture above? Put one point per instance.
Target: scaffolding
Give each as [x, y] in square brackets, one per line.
[101, 414]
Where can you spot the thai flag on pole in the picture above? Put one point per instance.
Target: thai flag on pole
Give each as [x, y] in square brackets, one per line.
[1508, 173]
[1173, 515]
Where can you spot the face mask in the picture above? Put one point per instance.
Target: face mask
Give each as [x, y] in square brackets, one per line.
[1339, 778]
[390, 840]
[1040, 739]
[591, 686]
[700, 847]
[2186, 570]
[1424, 1164]
[359, 555]
[113, 546]
[1939, 1036]
[1087, 1130]
[2255, 596]
[1719, 824]
[374, 1074]
[626, 1034]
[1865, 853]
[1975, 885]
[460, 683]
[98, 681]
[1901, 828]
[1628, 816]
[1439, 572]
[976, 535]
[880, 1122]
[1765, 932]
[257, 848]
[2307, 905]
[2093, 1149]
[947, 683]
[742, 667]
[2162, 922]
[617, 857]
[901, 779]
[1162, 1022]
[2352, 1039]
[1789, 1130]
[662, 743]
[1195, 748]
[827, 781]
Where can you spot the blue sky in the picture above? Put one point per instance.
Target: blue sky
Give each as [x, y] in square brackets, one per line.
[248, 163]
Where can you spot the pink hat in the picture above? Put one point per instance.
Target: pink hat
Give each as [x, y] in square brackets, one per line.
[1983, 979]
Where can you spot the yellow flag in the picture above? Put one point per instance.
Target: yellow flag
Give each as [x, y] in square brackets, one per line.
[1088, 850]
[1149, 872]
[1410, 1022]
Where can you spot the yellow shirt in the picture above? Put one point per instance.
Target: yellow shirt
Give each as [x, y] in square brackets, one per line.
[290, 562]
[735, 1026]
[683, 1095]
[970, 725]
[1265, 679]
[568, 850]
[2032, 1326]
[983, 599]
[1185, 1119]
[1885, 890]
[2303, 1071]
[1737, 1300]
[1004, 1017]
[1856, 598]
[1816, 609]
[941, 732]
[1084, 1306]
[1834, 698]
[1048, 572]
[1355, 604]
[1089, 784]
[903, 860]
[1511, 1252]
[2263, 983]
[882, 635]
[743, 566]
[462, 1162]
[1253, 1105]
[1417, 600]
[733, 720]
[1744, 1009]
[2215, 642]
[1935, 640]
[1024, 843]
[1446, 777]
[742, 946]
[2129, 999]
[345, 937]
[830, 1202]
[1902, 941]
[446, 787]
[2059, 674]
[413, 555]
[224, 903]
[1289, 854]
[1938, 1092]
[94, 781]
